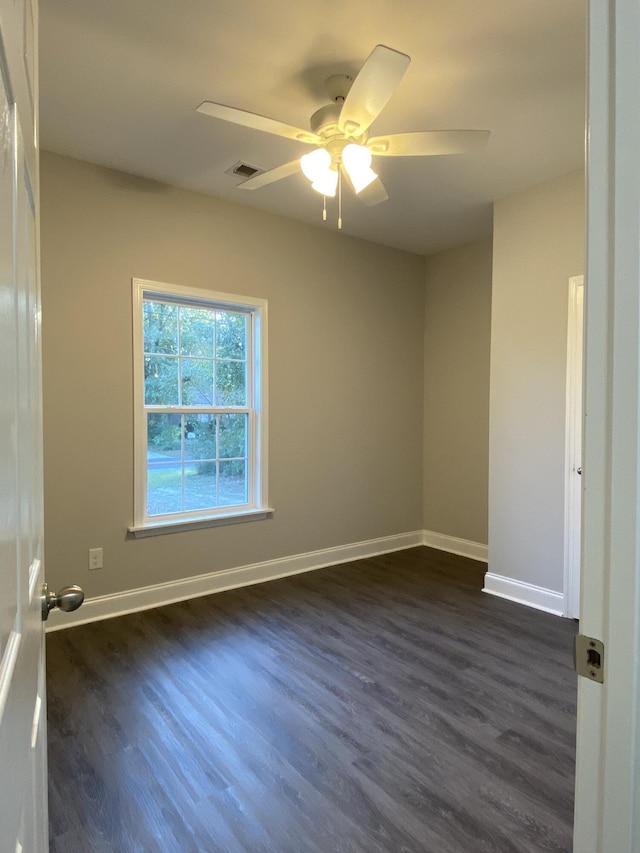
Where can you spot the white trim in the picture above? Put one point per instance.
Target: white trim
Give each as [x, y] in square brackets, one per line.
[198, 295]
[139, 421]
[573, 448]
[607, 797]
[131, 601]
[591, 713]
[255, 310]
[463, 547]
[178, 526]
[524, 593]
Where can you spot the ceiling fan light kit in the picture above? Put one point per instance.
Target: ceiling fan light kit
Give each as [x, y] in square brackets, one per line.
[340, 133]
[316, 167]
[356, 160]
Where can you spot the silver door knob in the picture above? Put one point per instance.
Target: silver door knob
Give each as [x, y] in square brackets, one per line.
[69, 598]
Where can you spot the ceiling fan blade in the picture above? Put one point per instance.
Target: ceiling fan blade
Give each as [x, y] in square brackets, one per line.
[374, 193]
[258, 122]
[428, 142]
[271, 176]
[375, 83]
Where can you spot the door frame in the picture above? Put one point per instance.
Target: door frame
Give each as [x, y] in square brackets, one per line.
[607, 801]
[573, 448]
[608, 751]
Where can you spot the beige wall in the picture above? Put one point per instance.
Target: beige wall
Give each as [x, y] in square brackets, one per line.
[538, 245]
[345, 374]
[456, 402]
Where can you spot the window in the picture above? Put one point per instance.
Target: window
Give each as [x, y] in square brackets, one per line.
[200, 403]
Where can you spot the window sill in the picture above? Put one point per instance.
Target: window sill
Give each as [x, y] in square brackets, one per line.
[161, 527]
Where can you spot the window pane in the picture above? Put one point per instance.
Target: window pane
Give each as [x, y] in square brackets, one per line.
[160, 381]
[163, 437]
[200, 437]
[232, 483]
[231, 385]
[200, 486]
[160, 327]
[196, 332]
[233, 435]
[231, 335]
[197, 382]
[164, 488]
[201, 382]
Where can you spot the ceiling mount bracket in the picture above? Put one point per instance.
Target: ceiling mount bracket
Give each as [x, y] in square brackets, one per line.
[337, 87]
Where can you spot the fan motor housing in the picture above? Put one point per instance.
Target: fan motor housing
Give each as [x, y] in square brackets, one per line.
[324, 121]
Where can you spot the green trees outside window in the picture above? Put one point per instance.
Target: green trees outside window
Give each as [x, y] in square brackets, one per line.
[196, 370]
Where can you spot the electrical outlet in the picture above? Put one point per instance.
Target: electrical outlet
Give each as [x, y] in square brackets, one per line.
[95, 558]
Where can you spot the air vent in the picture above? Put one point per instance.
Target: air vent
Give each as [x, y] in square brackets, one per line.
[244, 170]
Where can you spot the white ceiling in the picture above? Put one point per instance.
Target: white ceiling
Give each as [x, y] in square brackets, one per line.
[120, 81]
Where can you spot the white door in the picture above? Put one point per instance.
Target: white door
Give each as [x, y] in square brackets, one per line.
[608, 752]
[573, 456]
[23, 809]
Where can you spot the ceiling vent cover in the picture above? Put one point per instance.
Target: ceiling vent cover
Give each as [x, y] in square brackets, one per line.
[244, 170]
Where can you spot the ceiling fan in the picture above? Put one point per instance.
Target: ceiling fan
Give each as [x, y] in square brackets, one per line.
[339, 133]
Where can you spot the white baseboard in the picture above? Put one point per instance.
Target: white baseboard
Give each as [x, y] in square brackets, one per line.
[525, 593]
[133, 600]
[463, 547]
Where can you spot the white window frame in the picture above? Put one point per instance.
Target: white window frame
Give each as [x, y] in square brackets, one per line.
[256, 506]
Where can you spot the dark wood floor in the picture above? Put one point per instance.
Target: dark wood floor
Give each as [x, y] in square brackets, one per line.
[385, 705]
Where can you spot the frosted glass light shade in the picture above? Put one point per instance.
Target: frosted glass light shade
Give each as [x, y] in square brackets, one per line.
[327, 183]
[356, 159]
[315, 163]
[316, 166]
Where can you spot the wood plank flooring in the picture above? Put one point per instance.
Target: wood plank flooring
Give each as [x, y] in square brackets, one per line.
[384, 706]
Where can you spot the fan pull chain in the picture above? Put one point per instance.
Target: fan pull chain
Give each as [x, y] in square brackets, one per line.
[339, 199]
[324, 208]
